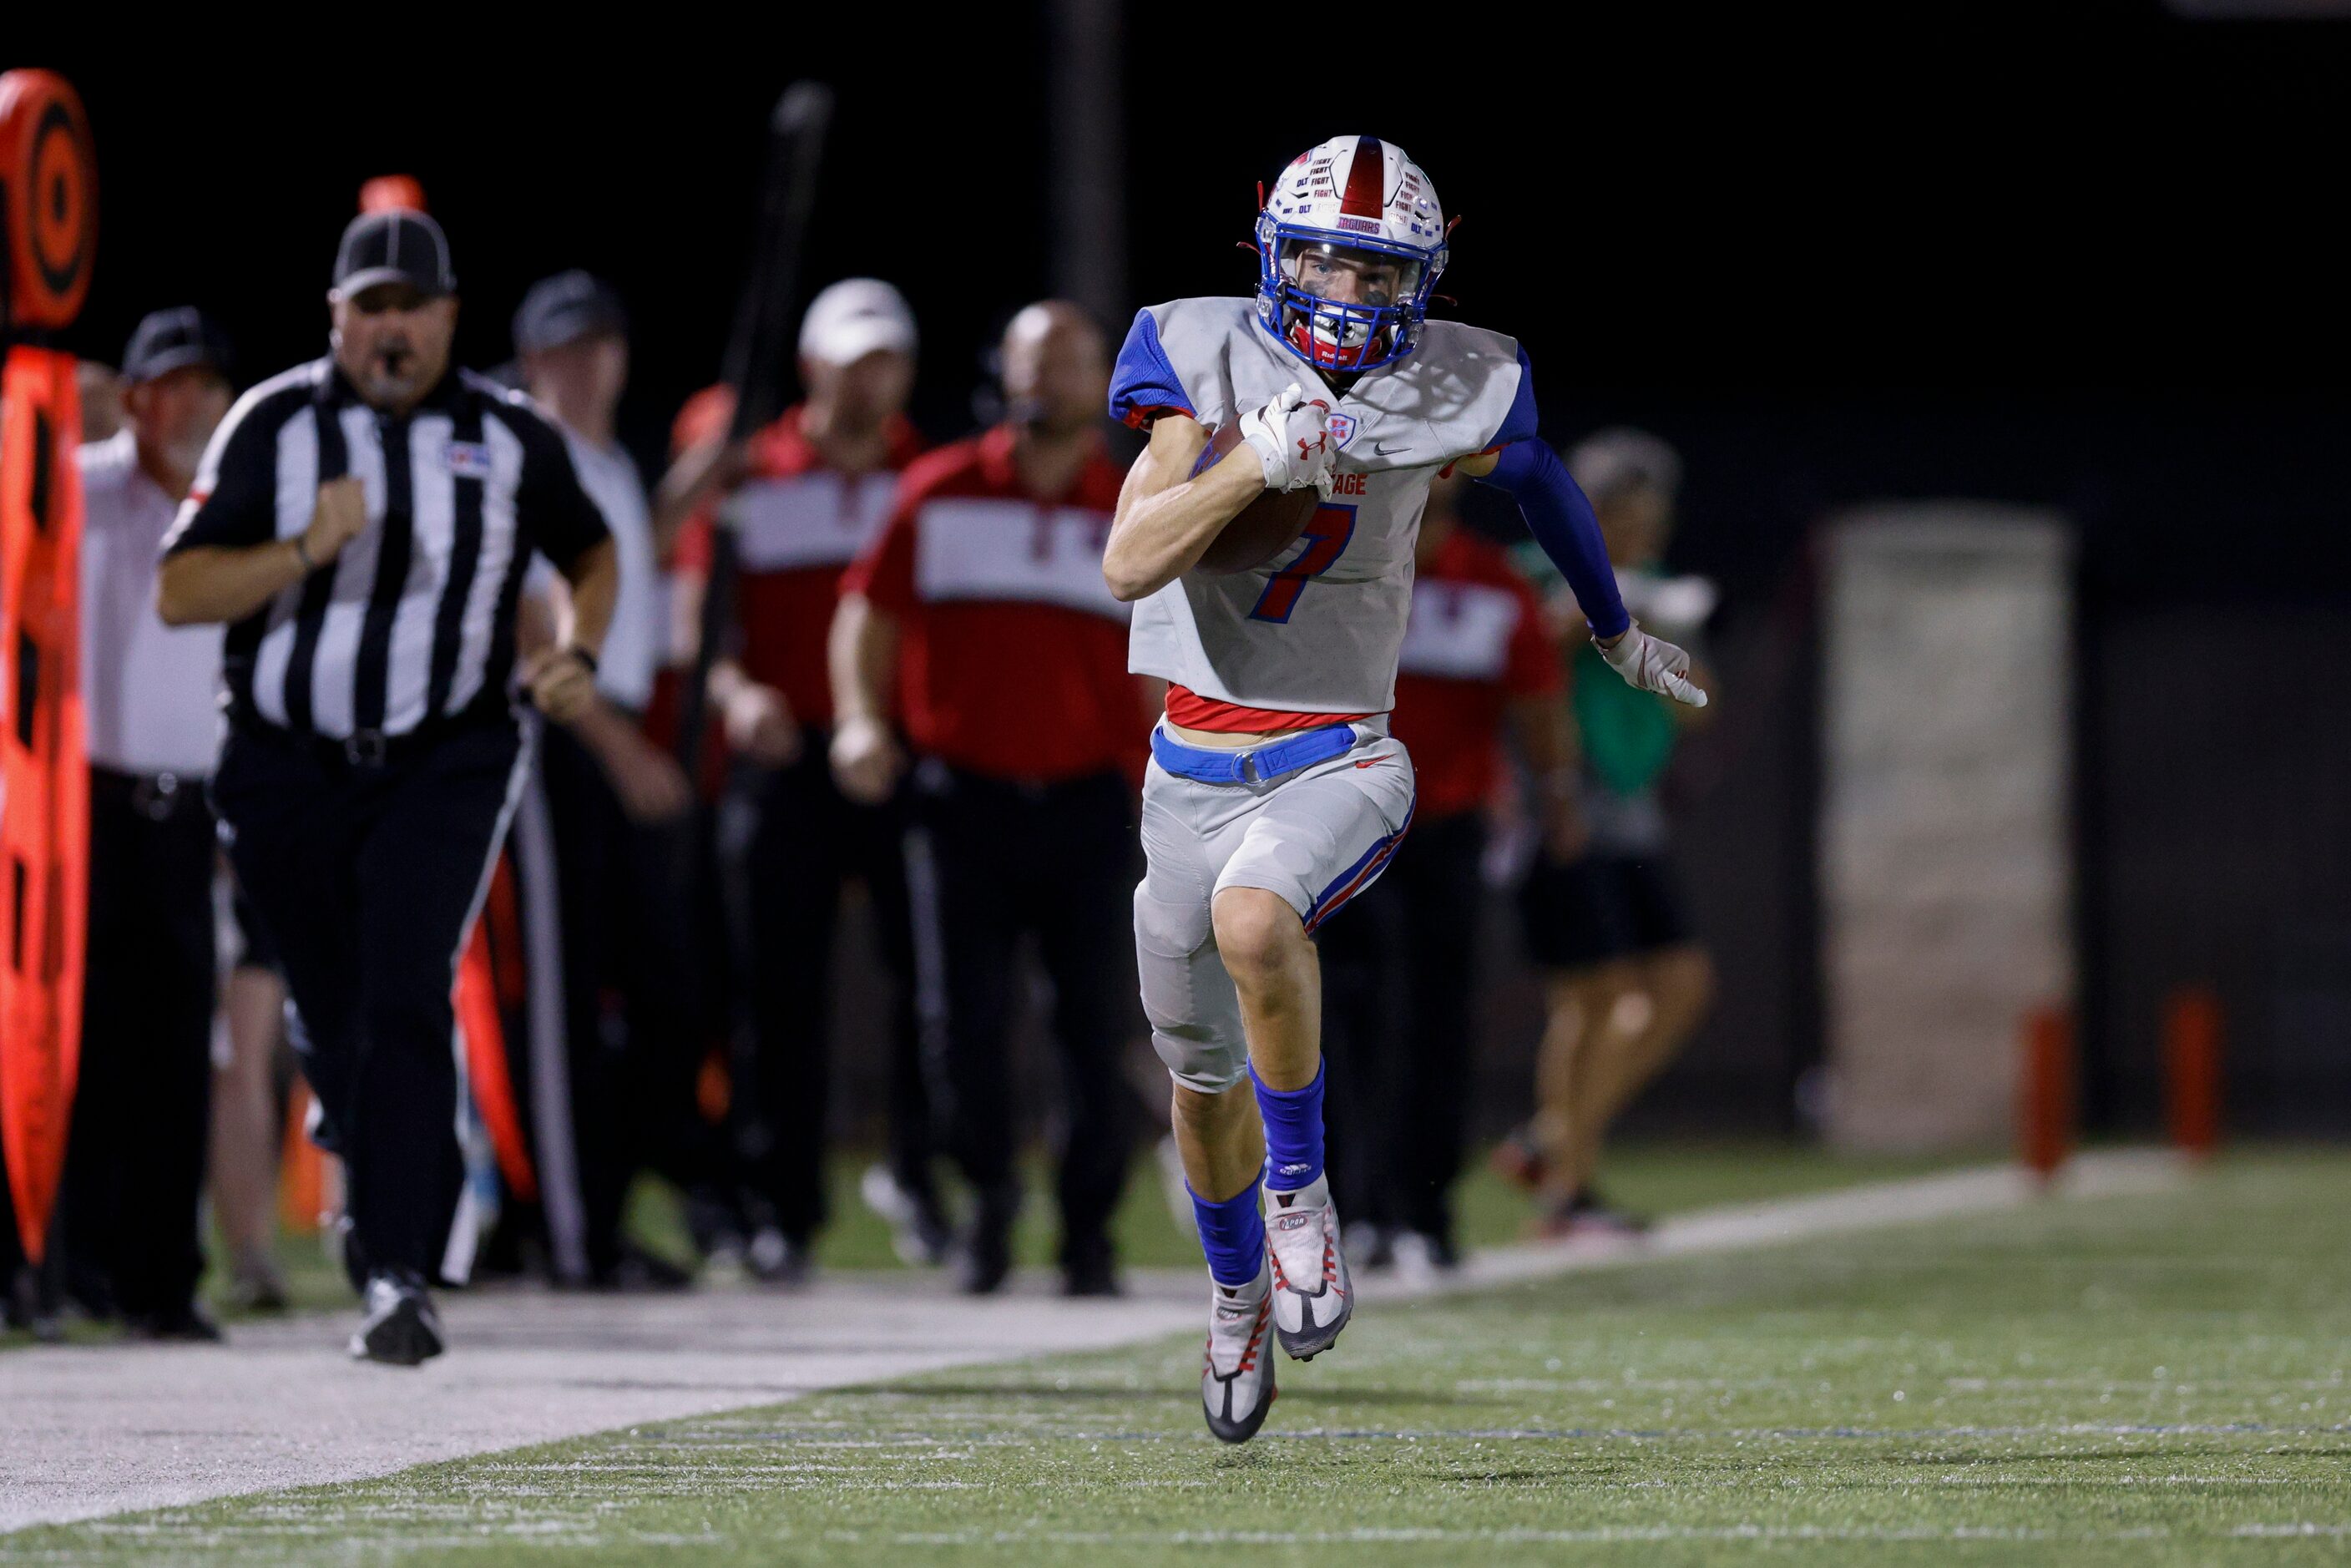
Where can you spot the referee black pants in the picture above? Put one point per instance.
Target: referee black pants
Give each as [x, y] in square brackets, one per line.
[364, 874]
[1399, 967]
[135, 1161]
[808, 842]
[987, 859]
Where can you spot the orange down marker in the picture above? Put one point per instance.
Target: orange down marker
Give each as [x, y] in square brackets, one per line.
[2191, 1069]
[2044, 1091]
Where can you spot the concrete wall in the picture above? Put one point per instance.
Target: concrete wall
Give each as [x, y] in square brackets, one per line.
[1945, 861]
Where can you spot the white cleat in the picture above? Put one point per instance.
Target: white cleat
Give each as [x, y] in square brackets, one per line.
[1313, 1297]
[1236, 1379]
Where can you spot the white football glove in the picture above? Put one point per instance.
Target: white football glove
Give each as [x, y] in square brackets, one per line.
[1653, 666]
[1292, 438]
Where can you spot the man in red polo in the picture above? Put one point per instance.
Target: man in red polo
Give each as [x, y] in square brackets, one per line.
[1477, 657]
[983, 605]
[805, 496]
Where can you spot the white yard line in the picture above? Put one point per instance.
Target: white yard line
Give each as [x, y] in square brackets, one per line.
[92, 1430]
[1980, 1189]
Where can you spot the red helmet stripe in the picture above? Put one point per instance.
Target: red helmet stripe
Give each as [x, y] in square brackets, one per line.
[1366, 195]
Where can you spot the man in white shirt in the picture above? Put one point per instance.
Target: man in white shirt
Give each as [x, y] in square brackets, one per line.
[135, 1163]
[603, 844]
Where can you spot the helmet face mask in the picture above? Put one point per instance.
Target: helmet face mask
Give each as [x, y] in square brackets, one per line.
[1346, 306]
[1344, 279]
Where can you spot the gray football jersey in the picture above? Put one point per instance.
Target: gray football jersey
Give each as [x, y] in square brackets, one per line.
[1318, 628]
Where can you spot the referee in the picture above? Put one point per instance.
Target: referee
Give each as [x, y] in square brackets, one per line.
[363, 523]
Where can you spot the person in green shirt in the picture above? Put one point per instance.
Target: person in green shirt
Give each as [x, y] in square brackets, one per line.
[1626, 980]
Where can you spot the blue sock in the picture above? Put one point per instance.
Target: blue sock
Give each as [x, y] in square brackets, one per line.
[1293, 1132]
[1232, 1233]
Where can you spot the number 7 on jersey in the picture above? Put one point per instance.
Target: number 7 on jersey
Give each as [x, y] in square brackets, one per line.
[1327, 535]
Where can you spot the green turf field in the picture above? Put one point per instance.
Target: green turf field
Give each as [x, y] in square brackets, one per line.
[2141, 1381]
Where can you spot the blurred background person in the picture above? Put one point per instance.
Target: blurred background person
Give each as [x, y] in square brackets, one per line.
[1477, 656]
[135, 1162]
[1625, 978]
[983, 602]
[804, 496]
[100, 389]
[615, 1090]
[252, 1069]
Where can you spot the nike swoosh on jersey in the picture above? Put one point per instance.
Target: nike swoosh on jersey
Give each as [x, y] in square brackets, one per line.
[1379, 451]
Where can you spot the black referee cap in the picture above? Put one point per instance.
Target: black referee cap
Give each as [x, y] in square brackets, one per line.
[168, 340]
[396, 245]
[565, 308]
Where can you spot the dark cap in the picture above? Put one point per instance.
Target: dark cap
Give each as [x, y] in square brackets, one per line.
[170, 340]
[394, 245]
[565, 308]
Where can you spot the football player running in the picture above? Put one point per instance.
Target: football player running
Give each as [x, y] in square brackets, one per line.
[1275, 792]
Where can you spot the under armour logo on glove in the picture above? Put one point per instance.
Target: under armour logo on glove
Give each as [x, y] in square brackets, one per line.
[1291, 438]
[1319, 439]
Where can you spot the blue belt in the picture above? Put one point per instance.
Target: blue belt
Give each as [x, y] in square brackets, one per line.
[1205, 767]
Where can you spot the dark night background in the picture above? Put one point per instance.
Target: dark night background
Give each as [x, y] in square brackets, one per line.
[2089, 257]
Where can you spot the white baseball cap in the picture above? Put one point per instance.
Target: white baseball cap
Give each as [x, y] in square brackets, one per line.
[852, 318]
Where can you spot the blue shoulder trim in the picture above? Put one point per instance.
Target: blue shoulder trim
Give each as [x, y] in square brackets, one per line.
[1518, 425]
[1143, 383]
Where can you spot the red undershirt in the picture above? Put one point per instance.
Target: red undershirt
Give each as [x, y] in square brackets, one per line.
[1192, 711]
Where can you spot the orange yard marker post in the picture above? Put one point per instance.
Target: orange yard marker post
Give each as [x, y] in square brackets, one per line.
[2191, 1069]
[477, 1003]
[302, 1168]
[2044, 1092]
[48, 235]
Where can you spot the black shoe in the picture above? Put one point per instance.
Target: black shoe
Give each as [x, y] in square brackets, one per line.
[776, 1258]
[179, 1325]
[1092, 1272]
[919, 1231]
[90, 1294]
[932, 1232]
[30, 1308]
[639, 1272]
[1423, 1255]
[715, 1220]
[401, 1327]
[1590, 1211]
[985, 1259]
[258, 1289]
[985, 1256]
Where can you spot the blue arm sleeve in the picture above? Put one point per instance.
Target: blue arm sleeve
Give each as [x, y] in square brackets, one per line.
[1143, 383]
[1518, 424]
[1562, 523]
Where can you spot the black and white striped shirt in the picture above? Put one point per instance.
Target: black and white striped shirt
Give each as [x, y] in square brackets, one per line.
[414, 619]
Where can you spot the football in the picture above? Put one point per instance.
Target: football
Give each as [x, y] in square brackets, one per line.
[1263, 528]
